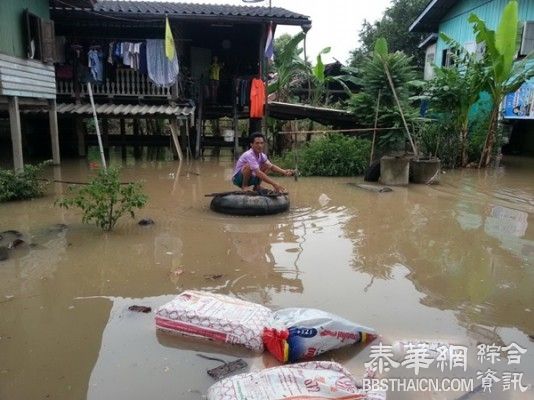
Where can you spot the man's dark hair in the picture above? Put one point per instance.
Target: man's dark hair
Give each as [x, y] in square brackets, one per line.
[255, 135]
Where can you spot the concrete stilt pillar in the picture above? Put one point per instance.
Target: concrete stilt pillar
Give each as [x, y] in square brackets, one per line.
[54, 131]
[16, 134]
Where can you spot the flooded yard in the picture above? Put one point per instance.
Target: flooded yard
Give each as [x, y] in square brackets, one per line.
[452, 262]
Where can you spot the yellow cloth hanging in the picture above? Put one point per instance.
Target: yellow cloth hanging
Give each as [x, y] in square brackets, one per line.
[170, 50]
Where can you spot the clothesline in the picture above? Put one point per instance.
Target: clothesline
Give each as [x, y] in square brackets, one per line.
[340, 130]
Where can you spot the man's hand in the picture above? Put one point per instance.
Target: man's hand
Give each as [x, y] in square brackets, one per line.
[279, 189]
[289, 172]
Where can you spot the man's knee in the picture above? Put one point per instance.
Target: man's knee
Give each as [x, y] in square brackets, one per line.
[246, 169]
[265, 169]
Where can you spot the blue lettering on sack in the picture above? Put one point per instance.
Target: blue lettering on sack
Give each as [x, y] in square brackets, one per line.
[303, 332]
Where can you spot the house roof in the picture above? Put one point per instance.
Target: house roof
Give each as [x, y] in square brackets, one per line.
[431, 16]
[432, 38]
[176, 10]
[120, 109]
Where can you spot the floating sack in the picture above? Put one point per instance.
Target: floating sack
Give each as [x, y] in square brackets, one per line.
[311, 380]
[310, 332]
[215, 317]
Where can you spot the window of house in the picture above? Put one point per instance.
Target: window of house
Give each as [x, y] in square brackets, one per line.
[40, 40]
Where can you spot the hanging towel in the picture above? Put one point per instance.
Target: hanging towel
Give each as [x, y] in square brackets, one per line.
[257, 98]
[161, 70]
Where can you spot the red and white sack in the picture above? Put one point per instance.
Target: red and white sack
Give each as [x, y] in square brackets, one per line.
[215, 317]
[311, 380]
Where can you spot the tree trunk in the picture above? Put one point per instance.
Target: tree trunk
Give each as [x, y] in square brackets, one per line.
[463, 145]
[485, 157]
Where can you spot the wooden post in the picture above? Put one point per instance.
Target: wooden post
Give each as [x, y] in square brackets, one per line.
[400, 109]
[16, 135]
[54, 132]
[174, 133]
[105, 136]
[123, 138]
[80, 134]
[97, 126]
[235, 120]
[199, 123]
[374, 130]
[183, 134]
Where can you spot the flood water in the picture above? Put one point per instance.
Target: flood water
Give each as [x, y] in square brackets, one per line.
[452, 262]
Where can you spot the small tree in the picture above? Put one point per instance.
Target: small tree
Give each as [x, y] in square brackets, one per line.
[104, 200]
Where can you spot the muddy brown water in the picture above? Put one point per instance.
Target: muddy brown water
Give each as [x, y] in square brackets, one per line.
[453, 262]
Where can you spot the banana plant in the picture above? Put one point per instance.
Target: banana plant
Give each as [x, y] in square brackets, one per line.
[288, 65]
[503, 76]
[454, 90]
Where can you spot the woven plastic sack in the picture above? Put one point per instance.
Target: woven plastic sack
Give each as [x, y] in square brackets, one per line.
[310, 332]
[311, 380]
[215, 317]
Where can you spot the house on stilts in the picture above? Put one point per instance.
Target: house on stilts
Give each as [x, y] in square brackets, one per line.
[118, 48]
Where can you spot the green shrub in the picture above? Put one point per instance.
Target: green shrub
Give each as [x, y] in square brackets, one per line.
[26, 184]
[440, 139]
[104, 200]
[332, 155]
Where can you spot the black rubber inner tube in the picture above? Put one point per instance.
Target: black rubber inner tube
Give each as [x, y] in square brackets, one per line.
[244, 204]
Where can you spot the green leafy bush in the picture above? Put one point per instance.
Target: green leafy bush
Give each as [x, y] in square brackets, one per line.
[26, 184]
[104, 200]
[440, 139]
[332, 155]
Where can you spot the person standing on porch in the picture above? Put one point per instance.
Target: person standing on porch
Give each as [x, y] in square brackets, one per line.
[215, 72]
[253, 167]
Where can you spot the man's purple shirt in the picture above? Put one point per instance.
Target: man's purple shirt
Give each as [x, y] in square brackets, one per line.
[255, 162]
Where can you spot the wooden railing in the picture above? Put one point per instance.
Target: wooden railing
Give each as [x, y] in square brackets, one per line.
[126, 83]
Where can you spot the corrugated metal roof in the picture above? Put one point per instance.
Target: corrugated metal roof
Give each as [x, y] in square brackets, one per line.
[119, 109]
[194, 10]
[430, 17]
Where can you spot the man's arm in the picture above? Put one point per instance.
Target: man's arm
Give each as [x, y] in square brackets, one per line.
[286, 172]
[264, 177]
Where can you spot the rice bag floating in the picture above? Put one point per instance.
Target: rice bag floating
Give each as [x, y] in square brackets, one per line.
[311, 380]
[215, 317]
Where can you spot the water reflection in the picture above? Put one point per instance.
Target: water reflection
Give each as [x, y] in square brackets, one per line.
[449, 261]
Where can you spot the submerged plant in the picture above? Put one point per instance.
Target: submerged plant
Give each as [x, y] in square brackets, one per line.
[25, 184]
[104, 200]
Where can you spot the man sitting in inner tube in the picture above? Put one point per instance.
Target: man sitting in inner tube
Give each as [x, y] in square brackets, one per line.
[253, 167]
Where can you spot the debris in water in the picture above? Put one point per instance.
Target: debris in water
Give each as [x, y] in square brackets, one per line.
[56, 228]
[228, 368]
[371, 188]
[11, 232]
[213, 277]
[4, 254]
[467, 395]
[16, 243]
[143, 309]
[146, 222]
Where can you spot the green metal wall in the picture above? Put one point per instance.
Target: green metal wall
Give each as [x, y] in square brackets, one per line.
[12, 33]
[455, 23]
